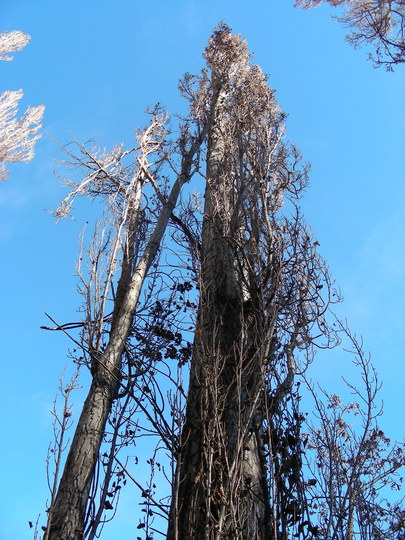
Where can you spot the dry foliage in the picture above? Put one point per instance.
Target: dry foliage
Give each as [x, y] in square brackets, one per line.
[18, 135]
[378, 23]
[353, 465]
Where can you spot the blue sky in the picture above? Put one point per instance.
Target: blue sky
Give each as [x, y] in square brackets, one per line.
[96, 65]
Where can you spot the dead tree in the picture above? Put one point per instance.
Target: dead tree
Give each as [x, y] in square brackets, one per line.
[260, 302]
[236, 450]
[127, 244]
[351, 462]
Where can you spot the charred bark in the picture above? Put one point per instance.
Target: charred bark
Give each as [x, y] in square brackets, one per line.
[259, 301]
[221, 489]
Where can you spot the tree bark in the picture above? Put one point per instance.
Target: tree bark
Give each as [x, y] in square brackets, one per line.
[221, 489]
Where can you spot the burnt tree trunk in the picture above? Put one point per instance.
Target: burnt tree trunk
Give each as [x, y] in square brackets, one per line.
[221, 486]
[259, 284]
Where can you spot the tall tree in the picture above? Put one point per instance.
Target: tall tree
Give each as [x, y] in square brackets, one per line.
[128, 243]
[17, 135]
[260, 303]
[236, 442]
[379, 23]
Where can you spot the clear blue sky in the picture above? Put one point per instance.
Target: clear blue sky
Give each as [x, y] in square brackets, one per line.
[96, 65]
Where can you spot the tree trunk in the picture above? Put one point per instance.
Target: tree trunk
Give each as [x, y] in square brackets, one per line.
[67, 513]
[221, 489]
